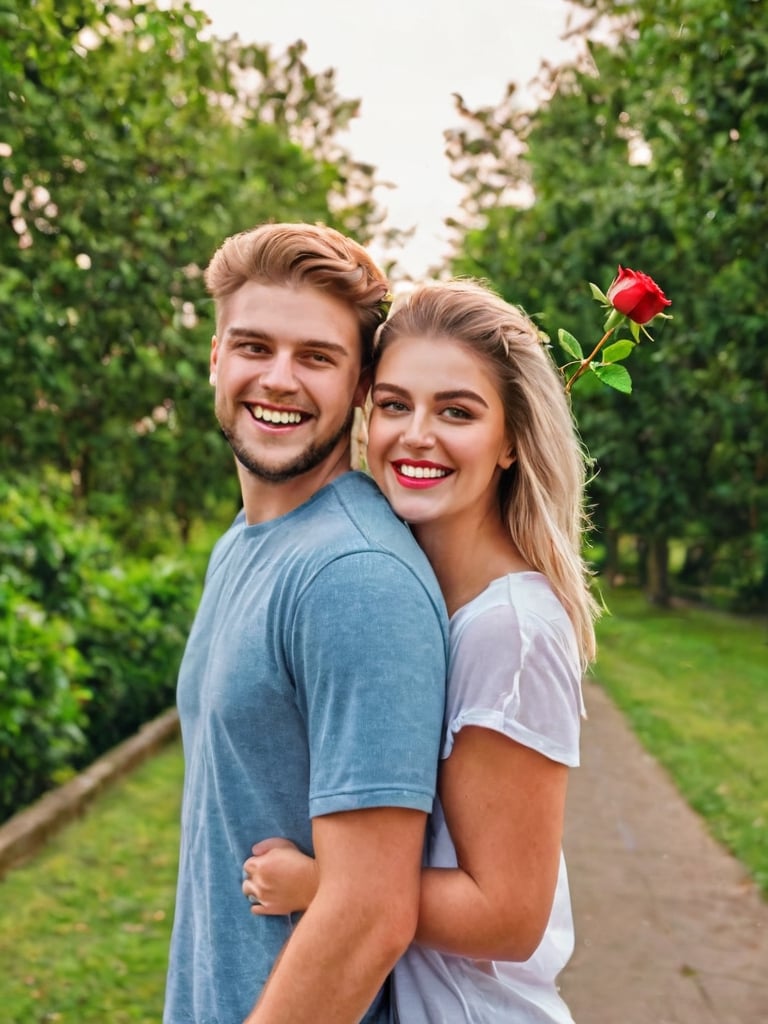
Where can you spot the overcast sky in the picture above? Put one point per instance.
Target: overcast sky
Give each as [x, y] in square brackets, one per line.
[403, 59]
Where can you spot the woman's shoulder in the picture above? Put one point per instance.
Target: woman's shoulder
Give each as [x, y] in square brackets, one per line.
[514, 667]
[517, 624]
[520, 600]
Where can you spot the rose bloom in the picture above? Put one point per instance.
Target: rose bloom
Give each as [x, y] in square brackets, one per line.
[636, 295]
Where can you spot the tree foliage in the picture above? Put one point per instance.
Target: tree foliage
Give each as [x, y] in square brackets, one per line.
[132, 142]
[649, 152]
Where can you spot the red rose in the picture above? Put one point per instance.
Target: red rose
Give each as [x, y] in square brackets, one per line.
[637, 296]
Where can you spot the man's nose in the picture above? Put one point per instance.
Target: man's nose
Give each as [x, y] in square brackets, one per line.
[279, 373]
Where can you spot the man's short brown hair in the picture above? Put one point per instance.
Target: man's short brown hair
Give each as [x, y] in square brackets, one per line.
[303, 255]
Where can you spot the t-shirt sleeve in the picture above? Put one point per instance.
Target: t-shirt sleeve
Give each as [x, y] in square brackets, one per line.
[368, 655]
[518, 674]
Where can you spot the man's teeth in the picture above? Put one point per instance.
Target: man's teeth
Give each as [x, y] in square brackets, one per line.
[422, 472]
[275, 415]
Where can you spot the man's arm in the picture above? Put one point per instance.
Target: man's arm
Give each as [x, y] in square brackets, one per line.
[361, 920]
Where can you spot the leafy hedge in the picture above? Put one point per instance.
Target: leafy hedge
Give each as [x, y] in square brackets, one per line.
[90, 638]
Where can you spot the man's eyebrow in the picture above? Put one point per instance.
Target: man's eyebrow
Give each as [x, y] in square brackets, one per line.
[441, 396]
[247, 332]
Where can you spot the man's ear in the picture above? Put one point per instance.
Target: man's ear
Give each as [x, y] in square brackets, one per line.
[363, 387]
[214, 358]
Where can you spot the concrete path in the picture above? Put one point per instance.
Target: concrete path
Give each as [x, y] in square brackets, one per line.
[669, 929]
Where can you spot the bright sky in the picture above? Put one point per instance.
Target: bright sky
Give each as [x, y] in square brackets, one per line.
[403, 59]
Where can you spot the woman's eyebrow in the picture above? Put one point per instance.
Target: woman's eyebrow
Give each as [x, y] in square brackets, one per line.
[383, 386]
[441, 396]
[448, 396]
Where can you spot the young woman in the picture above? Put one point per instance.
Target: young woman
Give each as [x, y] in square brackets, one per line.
[471, 439]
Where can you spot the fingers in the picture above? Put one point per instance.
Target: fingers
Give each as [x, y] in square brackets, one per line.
[251, 893]
[273, 843]
[261, 904]
[264, 876]
[250, 886]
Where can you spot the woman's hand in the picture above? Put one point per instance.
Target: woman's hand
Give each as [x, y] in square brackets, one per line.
[279, 878]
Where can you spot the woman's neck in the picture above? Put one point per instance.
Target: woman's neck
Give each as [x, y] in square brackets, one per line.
[466, 557]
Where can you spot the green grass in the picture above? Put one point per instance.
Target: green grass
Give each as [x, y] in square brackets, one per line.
[85, 926]
[694, 686]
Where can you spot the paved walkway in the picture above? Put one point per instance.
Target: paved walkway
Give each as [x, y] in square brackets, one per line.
[669, 930]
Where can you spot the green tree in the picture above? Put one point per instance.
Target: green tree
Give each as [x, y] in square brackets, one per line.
[649, 152]
[131, 145]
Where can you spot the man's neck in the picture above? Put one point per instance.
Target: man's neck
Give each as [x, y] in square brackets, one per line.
[264, 501]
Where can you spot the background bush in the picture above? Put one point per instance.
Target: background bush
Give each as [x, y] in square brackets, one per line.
[137, 619]
[92, 637]
[42, 698]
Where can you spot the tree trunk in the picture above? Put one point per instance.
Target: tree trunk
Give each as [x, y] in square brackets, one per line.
[697, 564]
[612, 567]
[657, 571]
[641, 547]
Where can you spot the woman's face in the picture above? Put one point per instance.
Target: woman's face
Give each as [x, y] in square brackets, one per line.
[437, 442]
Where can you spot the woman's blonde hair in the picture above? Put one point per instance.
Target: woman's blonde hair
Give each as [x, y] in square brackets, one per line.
[542, 494]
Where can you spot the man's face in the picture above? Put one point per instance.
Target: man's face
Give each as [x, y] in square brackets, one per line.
[287, 366]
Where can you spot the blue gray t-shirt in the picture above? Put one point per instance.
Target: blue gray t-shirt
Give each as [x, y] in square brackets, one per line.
[312, 682]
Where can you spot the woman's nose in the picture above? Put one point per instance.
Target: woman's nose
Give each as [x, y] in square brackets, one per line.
[417, 433]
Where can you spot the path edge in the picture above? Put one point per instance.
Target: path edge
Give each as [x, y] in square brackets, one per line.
[23, 834]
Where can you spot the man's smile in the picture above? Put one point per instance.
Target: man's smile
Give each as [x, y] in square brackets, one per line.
[276, 416]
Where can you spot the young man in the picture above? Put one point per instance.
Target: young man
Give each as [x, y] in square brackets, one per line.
[312, 686]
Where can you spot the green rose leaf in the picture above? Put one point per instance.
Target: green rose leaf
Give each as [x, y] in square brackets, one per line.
[618, 351]
[598, 294]
[569, 344]
[614, 376]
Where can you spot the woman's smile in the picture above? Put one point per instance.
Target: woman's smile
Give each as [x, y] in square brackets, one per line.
[419, 474]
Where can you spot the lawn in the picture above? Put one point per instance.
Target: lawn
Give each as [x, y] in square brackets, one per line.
[694, 686]
[84, 928]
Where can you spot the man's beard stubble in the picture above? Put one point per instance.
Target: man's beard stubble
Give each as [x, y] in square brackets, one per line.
[307, 460]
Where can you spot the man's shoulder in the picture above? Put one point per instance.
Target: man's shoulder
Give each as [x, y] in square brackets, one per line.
[359, 496]
[354, 515]
[353, 534]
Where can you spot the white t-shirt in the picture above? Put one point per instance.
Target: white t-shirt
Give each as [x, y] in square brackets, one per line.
[514, 668]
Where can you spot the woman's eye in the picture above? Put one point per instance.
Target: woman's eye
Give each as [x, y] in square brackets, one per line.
[453, 412]
[391, 405]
